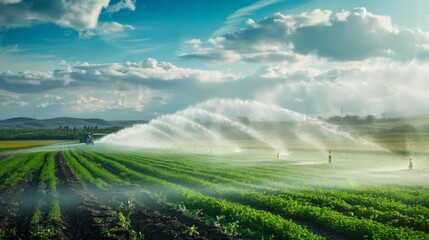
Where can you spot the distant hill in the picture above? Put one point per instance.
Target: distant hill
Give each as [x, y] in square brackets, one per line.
[54, 123]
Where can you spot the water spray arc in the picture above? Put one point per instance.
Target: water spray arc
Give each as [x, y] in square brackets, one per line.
[240, 126]
[215, 124]
[198, 126]
[175, 129]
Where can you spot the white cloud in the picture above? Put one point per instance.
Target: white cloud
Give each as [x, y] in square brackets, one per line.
[43, 105]
[316, 17]
[124, 4]
[209, 54]
[11, 100]
[237, 17]
[345, 36]
[152, 69]
[369, 87]
[52, 96]
[105, 28]
[10, 1]
[77, 14]
[89, 104]
[90, 100]
[27, 78]
[318, 88]
[112, 27]
[105, 88]
[196, 43]
[149, 73]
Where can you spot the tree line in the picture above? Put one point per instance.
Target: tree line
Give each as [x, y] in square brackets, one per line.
[61, 133]
[352, 119]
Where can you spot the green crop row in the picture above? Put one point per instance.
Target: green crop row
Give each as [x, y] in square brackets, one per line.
[82, 173]
[247, 175]
[177, 165]
[171, 167]
[43, 224]
[149, 170]
[351, 227]
[261, 221]
[48, 176]
[378, 209]
[25, 172]
[191, 181]
[97, 170]
[119, 169]
[48, 180]
[190, 167]
[406, 195]
[9, 165]
[238, 177]
[176, 173]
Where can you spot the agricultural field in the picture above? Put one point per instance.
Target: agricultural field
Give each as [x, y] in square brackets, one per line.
[8, 145]
[221, 119]
[103, 192]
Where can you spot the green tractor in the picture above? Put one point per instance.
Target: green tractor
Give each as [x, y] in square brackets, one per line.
[87, 139]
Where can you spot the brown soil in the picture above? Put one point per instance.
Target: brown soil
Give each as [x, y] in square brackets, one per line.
[84, 217]
[93, 213]
[28, 206]
[156, 220]
[9, 205]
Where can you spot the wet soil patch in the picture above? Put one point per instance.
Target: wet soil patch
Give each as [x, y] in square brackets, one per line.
[30, 198]
[83, 216]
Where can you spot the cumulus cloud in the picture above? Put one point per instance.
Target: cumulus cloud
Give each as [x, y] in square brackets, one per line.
[101, 99]
[124, 4]
[106, 28]
[91, 100]
[358, 35]
[76, 14]
[149, 73]
[11, 100]
[105, 88]
[373, 86]
[27, 80]
[368, 87]
[210, 54]
[344, 36]
[52, 96]
[43, 105]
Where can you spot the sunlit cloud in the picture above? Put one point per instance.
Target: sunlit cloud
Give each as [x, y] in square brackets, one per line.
[78, 14]
[105, 28]
[314, 61]
[123, 4]
[343, 36]
[91, 88]
[149, 72]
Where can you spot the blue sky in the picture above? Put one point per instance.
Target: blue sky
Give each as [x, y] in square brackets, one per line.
[136, 59]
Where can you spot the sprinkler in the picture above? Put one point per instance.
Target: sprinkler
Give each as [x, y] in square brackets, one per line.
[330, 157]
[215, 121]
[410, 165]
